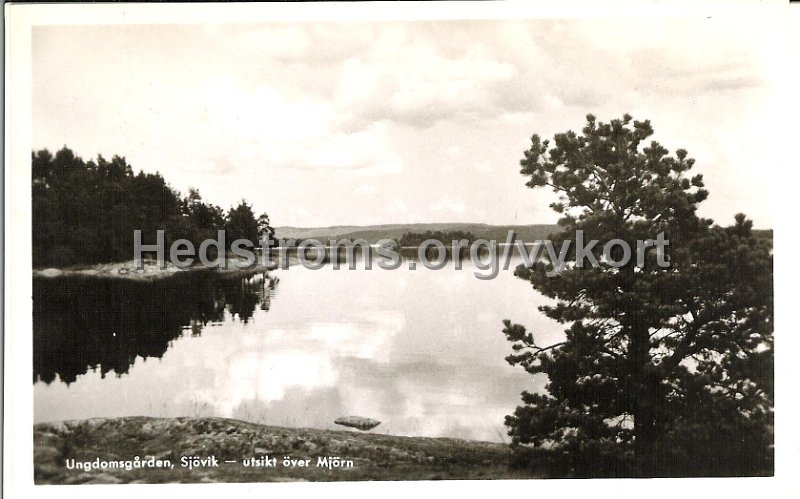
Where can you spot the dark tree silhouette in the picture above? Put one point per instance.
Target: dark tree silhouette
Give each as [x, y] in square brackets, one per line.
[264, 226]
[86, 212]
[83, 323]
[202, 220]
[663, 371]
[241, 223]
[415, 239]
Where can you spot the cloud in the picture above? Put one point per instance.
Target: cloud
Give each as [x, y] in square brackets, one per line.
[406, 79]
[298, 113]
[269, 129]
[270, 367]
[449, 204]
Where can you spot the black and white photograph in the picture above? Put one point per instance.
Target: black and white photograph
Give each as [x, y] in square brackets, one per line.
[365, 242]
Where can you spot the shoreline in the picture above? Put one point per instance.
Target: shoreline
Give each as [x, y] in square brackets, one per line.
[151, 270]
[371, 456]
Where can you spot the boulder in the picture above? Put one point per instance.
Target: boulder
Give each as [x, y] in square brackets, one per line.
[358, 422]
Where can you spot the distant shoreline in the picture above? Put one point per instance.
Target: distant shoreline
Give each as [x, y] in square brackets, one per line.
[374, 233]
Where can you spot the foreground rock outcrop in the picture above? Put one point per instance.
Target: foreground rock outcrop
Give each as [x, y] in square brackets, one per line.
[159, 450]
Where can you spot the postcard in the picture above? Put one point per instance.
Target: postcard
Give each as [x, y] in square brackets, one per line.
[257, 243]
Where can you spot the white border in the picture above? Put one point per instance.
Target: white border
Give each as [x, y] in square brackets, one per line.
[18, 408]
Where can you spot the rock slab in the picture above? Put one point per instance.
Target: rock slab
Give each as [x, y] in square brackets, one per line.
[358, 422]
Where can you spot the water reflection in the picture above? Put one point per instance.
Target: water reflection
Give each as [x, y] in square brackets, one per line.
[87, 323]
[420, 350]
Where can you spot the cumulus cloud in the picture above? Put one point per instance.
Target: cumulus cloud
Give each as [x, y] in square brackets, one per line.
[324, 107]
[268, 129]
[408, 81]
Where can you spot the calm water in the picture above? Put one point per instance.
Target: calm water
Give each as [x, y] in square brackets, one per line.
[420, 350]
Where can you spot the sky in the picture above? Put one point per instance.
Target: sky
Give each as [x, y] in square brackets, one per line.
[323, 124]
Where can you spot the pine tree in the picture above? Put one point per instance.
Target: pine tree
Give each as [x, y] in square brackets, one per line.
[663, 370]
[241, 223]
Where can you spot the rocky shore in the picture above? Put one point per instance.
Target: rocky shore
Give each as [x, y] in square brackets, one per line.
[160, 450]
[149, 271]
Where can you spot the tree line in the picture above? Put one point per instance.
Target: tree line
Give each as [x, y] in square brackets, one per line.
[86, 212]
[415, 239]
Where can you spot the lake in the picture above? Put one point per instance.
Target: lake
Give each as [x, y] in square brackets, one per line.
[420, 350]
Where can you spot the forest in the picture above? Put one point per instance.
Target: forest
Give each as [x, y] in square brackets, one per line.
[415, 239]
[85, 212]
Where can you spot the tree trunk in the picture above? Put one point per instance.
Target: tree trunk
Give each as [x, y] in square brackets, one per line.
[644, 394]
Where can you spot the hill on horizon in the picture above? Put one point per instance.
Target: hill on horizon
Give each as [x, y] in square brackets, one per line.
[374, 233]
